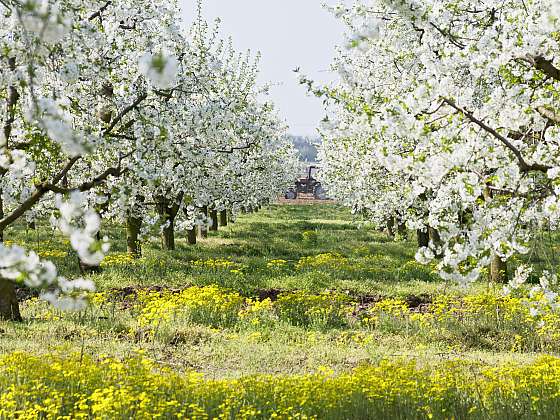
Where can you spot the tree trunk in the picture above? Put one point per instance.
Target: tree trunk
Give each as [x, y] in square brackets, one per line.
[133, 246]
[1, 215]
[434, 237]
[498, 270]
[191, 236]
[423, 238]
[203, 228]
[87, 268]
[401, 228]
[223, 218]
[168, 235]
[9, 307]
[214, 217]
[191, 233]
[168, 212]
[391, 226]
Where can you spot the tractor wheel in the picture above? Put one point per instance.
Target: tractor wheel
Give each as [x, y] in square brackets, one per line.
[319, 192]
[291, 195]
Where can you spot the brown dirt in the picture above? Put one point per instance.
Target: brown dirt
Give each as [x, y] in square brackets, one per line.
[303, 199]
[127, 295]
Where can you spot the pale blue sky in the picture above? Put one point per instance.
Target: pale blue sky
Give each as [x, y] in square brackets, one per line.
[289, 34]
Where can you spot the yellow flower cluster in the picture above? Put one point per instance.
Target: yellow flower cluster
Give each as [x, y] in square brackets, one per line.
[44, 249]
[255, 306]
[208, 305]
[303, 308]
[327, 260]
[120, 259]
[258, 312]
[219, 264]
[81, 387]
[392, 308]
[506, 319]
[53, 253]
[488, 310]
[98, 298]
[309, 236]
[218, 307]
[279, 263]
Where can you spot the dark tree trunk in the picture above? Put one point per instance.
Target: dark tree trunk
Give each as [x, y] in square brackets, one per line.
[168, 211]
[498, 270]
[214, 217]
[133, 246]
[9, 307]
[203, 230]
[223, 218]
[423, 238]
[401, 228]
[433, 235]
[391, 226]
[1, 215]
[168, 235]
[191, 236]
[87, 268]
[191, 233]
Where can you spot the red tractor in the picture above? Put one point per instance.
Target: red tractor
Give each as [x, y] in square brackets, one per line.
[308, 185]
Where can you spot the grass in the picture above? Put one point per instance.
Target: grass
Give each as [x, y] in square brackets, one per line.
[359, 262]
[276, 232]
[291, 290]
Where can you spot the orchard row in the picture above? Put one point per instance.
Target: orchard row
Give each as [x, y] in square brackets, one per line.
[112, 110]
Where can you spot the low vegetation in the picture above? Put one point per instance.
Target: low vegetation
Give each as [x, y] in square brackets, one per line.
[291, 311]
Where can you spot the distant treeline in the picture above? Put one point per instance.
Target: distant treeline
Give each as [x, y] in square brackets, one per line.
[307, 147]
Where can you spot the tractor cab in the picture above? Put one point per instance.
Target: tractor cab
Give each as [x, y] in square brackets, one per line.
[304, 187]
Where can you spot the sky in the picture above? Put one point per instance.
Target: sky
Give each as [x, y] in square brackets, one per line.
[289, 34]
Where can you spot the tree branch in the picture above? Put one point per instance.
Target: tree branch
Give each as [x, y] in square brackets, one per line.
[233, 148]
[101, 10]
[11, 101]
[546, 67]
[26, 205]
[523, 165]
[549, 115]
[123, 113]
[40, 191]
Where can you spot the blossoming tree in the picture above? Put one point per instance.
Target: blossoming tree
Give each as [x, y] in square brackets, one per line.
[96, 92]
[450, 107]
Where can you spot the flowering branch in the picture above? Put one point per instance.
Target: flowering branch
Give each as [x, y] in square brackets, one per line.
[523, 165]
